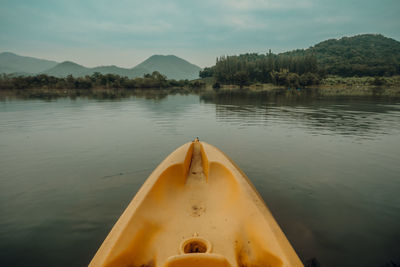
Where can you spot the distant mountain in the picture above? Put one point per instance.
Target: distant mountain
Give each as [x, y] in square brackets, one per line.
[171, 66]
[365, 54]
[114, 70]
[12, 63]
[66, 68]
[139, 71]
[71, 68]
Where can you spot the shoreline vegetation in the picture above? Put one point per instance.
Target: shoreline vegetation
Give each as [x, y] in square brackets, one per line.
[111, 86]
[94, 81]
[156, 86]
[114, 86]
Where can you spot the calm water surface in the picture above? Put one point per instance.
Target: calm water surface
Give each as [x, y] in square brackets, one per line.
[329, 169]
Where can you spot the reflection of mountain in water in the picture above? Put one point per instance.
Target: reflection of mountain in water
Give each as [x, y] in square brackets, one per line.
[360, 117]
[169, 113]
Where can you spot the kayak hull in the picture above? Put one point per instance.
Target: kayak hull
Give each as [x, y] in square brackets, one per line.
[197, 208]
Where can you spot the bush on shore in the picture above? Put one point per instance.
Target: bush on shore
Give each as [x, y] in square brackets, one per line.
[97, 80]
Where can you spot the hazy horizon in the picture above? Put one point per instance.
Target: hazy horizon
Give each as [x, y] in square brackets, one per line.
[125, 33]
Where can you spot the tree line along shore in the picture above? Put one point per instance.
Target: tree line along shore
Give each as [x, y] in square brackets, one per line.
[293, 71]
[95, 81]
[114, 86]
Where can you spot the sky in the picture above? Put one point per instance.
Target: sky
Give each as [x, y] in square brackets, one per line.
[126, 32]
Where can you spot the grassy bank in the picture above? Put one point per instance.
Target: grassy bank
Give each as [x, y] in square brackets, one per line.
[321, 91]
[359, 86]
[330, 86]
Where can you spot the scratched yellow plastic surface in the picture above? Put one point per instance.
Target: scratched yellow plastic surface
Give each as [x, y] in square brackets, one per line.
[196, 209]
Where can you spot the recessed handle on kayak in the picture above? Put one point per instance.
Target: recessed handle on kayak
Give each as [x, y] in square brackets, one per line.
[195, 245]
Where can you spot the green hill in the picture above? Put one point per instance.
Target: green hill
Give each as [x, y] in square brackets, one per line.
[361, 55]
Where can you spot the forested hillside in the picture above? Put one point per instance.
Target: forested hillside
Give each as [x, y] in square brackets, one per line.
[361, 55]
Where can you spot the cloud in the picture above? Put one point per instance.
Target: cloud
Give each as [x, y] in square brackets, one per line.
[236, 22]
[333, 20]
[205, 28]
[251, 5]
[144, 28]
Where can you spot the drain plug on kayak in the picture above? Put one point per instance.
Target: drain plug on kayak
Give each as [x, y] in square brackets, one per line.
[195, 245]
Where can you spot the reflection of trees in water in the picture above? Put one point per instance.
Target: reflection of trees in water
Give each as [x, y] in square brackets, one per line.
[97, 94]
[345, 116]
[170, 113]
[258, 98]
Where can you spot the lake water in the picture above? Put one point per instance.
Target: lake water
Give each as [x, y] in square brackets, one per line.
[329, 169]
